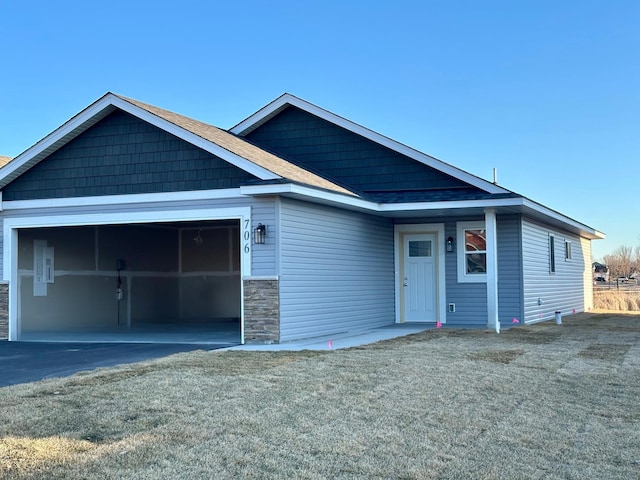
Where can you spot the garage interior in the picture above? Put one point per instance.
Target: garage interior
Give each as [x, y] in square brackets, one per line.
[157, 282]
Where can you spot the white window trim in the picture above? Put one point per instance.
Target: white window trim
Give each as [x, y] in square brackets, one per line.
[463, 276]
[568, 250]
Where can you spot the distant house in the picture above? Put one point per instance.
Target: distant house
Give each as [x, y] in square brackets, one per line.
[294, 223]
[600, 272]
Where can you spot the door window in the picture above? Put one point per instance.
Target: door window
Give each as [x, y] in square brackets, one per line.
[420, 248]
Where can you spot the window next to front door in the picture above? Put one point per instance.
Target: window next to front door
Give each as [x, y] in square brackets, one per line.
[472, 252]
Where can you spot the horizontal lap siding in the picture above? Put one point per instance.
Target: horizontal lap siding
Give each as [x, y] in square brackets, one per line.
[509, 230]
[470, 299]
[263, 210]
[337, 271]
[563, 290]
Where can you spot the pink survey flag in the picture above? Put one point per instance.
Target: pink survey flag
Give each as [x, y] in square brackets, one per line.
[515, 320]
[438, 324]
[330, 344]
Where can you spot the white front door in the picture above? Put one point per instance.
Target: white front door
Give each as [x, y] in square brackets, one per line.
[419, 278]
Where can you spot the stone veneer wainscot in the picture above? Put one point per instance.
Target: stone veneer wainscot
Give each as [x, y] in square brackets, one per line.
[261, 310]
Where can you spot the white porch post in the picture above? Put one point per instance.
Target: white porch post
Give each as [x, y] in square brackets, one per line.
[492, 269]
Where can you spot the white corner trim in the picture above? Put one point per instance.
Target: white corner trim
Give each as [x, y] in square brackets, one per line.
[493, 319]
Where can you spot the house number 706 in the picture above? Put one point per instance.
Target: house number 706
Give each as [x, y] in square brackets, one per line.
[246, 235]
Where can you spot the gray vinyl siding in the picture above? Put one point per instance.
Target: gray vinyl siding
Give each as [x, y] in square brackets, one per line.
[509, 269]
[337, 153]
[263, 258]
[560, 291]
[122, 154]
[470, 298]
[337, 271]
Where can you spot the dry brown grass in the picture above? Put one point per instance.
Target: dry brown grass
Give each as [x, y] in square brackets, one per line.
[617, 300]
[543, 401]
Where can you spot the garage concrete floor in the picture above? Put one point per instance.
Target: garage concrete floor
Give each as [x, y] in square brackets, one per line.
[223, 333]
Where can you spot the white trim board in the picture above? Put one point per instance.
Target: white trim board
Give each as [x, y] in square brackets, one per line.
[11, 226]
[99, 110]
[286, 99]
[520, 204]
[438, 230]
[127, 199]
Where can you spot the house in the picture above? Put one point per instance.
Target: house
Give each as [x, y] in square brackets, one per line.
[294, 223]
[600, 272]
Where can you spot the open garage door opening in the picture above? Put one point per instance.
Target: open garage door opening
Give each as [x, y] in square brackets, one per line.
[177, 282]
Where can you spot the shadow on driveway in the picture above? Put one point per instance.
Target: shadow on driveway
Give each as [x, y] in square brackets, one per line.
[24, 362]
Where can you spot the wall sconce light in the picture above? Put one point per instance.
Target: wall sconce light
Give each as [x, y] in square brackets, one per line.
[260, 234]
[450, 244]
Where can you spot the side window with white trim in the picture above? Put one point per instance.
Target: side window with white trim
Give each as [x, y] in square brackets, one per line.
[472, 252]
[567, 250]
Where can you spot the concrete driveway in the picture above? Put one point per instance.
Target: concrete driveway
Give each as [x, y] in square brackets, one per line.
[24, 362]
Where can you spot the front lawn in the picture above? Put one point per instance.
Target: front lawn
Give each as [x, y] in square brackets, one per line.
[542, 401]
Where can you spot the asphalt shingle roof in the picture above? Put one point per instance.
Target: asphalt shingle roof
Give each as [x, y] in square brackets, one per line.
[435, 195]
[243, 148]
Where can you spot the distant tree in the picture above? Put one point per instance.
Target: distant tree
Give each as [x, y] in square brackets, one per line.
[623, 262]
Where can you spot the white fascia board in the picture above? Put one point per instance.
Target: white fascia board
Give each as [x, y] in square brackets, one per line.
[587, 231]
[345, 200]
[422, 206]
[354, 202]
[287, 99]
[323, 195]
[68, 130]
[98, 110]
[255, 119]
[129, 199]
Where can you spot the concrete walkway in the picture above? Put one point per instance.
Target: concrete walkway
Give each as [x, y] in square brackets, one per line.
[343, 340]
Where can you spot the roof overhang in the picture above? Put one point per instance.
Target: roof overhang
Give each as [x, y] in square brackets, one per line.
[272, 109]
[99, 110]
[441, 210]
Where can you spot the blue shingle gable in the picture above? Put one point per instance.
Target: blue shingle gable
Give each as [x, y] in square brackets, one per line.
[122, 154]
[334, 152]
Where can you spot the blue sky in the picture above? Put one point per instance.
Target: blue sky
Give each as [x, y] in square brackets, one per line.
[545, 91]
